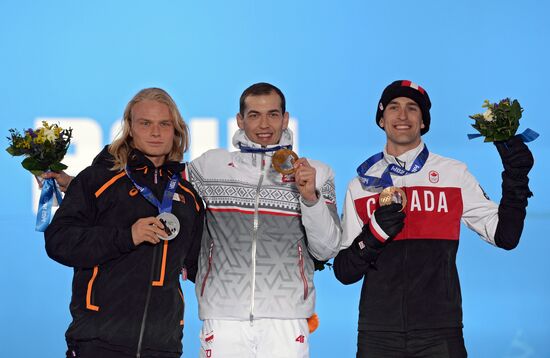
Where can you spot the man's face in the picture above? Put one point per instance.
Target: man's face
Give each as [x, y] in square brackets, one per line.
[402, 121]
[152, 129]
[263, 121]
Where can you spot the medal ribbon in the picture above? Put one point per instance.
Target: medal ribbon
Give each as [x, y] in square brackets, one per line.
[245, 149]
[527, 136]
[385, 179]
[166, 205]
[44, 214]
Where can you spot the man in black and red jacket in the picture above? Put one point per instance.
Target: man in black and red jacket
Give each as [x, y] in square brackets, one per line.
[405, 252]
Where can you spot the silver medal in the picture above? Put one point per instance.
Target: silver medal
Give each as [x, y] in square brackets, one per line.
[171, 225]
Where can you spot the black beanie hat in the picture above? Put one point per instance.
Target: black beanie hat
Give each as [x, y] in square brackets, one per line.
[404, 88]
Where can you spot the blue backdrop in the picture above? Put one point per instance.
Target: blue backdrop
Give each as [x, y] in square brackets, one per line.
[79, 62]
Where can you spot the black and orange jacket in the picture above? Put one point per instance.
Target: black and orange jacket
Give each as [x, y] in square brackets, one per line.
[125, 297]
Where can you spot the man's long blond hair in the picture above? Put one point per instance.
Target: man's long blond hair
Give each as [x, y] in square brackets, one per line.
[121, 147]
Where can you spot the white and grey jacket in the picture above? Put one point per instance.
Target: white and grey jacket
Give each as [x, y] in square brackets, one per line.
[254, 260]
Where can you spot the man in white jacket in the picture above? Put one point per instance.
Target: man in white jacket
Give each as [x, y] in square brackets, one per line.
[263, 231]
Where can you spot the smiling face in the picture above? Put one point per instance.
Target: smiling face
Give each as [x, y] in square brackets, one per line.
[152, 130]
[263, 120]
[402, 122]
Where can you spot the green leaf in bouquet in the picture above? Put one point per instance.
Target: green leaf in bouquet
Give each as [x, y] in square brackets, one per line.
[501, 137]
[57, 167]
[515, 110]
[12, 151]
[33, 165]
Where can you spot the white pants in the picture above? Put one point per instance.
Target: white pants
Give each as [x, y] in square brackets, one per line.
[262, 338]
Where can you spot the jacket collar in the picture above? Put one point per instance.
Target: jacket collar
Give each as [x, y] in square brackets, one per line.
[137, 160]
[253, 159]
[406, 159]
[240, 139]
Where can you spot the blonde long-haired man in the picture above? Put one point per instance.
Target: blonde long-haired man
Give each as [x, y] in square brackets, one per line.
[129, 225]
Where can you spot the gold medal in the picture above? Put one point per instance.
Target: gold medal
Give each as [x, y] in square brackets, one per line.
[283, 161]
[393, 194]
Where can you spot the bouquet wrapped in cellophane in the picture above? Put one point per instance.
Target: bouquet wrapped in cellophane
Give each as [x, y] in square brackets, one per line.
[43, 148]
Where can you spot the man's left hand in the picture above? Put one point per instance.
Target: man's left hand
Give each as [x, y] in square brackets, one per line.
[305, 179]
[63, 179]
[516, 157]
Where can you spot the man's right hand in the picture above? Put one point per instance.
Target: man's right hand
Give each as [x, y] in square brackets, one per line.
[147, 230]
[387, 221]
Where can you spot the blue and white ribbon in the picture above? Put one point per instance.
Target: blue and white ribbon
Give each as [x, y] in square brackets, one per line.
[166, 205]
[245, 149]
[385, 179]
[43, 217]
[527, 136]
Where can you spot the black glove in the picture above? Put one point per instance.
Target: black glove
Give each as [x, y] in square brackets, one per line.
[516, 157]
[386, 222]
[390, 219]
[517, 160]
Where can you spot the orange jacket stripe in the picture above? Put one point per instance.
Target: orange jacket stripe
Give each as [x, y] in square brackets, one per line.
[89, 304]
[193, 195]
[144, 168]
[109, 183]
[160, 282]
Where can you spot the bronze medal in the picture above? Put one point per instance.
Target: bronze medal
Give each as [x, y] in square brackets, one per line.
[393, 194]
[283, 161]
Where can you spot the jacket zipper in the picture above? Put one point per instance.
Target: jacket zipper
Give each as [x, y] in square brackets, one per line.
[255, 237]
[301, 264]
[405, 286]
[146, 308]
[209, 267]
[405, 271]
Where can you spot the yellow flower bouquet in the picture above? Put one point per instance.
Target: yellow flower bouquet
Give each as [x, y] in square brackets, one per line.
[44, 149]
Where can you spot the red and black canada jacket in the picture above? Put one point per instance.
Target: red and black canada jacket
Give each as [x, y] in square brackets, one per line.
[126, 297]
[413, 283]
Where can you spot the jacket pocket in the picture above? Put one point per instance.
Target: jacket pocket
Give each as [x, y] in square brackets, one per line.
[205, 279]
[302, 272]
[90, 294]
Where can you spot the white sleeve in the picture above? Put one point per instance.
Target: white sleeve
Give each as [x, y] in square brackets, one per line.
[321, 222]
[195, 172]
[351, 222]
[479, 212]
